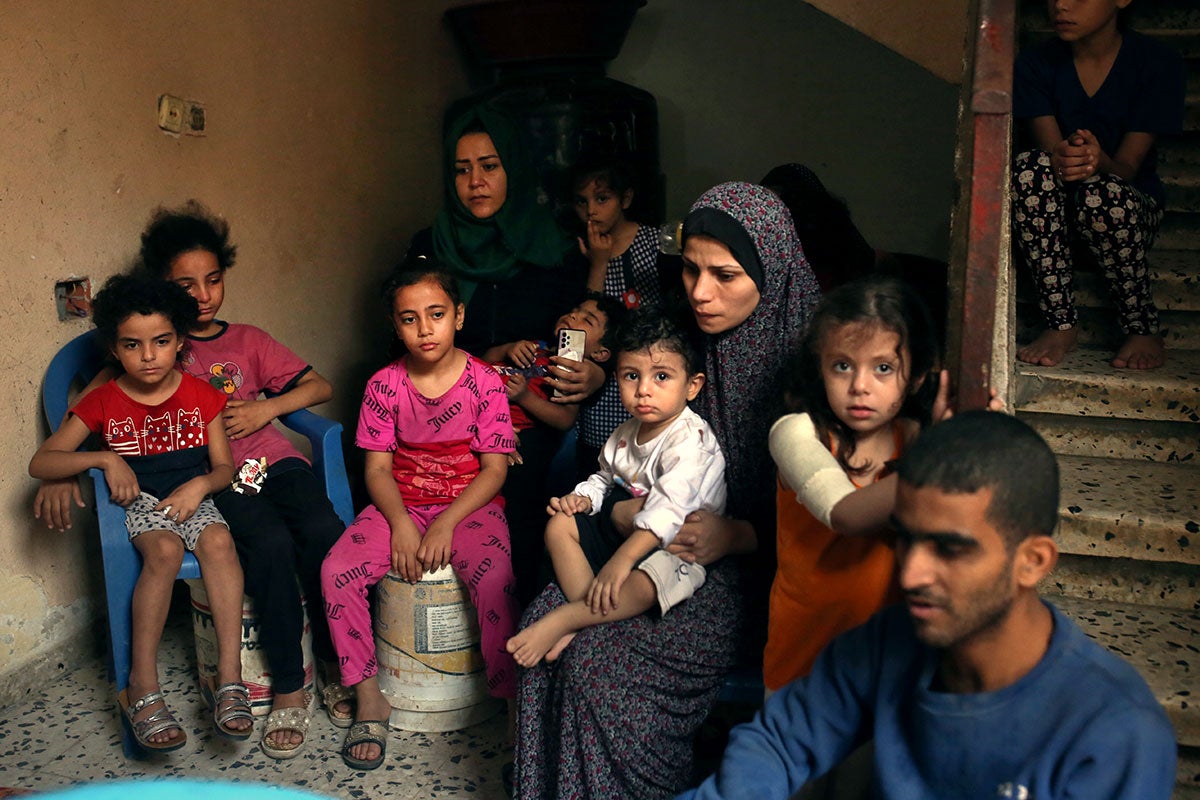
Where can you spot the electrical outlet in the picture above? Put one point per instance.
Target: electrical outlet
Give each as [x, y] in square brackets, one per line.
[194, 119]
[171, 113]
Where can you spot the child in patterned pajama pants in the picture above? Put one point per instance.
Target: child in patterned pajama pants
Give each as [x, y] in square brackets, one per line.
[1114, 220]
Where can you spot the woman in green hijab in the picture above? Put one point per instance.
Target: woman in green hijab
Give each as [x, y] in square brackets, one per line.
[518, 275]
[511, 258]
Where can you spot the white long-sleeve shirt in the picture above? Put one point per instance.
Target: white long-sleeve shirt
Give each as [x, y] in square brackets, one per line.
[679, 471]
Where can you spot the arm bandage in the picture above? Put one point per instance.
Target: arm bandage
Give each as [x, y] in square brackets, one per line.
[807, 466]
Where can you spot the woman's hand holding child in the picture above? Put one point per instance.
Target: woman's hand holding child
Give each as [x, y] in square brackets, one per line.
[706, 537]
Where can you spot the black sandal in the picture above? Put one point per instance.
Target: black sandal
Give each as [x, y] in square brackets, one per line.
[374, 731]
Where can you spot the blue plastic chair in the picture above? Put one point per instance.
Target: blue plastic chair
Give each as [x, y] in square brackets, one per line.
[80, 360]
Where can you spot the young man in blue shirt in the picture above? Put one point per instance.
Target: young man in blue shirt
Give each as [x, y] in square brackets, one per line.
[975, 687]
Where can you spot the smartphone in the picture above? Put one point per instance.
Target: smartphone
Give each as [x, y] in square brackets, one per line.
[571, 344]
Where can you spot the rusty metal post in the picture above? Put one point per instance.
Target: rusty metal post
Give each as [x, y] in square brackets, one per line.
[980, 220]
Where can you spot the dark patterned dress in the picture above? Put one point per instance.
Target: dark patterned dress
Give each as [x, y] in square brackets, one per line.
[615, 716]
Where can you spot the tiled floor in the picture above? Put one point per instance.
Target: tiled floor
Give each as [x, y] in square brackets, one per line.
[70, 734]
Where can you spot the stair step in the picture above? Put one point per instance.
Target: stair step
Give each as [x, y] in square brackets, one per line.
[1174, 282]
[1118, 508]
[1099, 328]
[1084, 384]
[1181, 185]
[1174, 279]
[1159, 643]
[1126, 580]
[1105, 437]
[1180, 231]
[1174, 288]
[1179, 150]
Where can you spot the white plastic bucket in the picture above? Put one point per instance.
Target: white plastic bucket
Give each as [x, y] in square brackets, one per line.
[427, 644]
[256, 673]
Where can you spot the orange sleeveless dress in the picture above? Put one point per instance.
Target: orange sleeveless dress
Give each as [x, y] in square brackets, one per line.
[825, 584]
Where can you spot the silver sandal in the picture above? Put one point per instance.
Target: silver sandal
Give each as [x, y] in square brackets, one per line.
[159, 721]
[238, 698]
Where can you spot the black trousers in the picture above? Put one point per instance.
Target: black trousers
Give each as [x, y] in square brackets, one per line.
[525, 500]
[283, 533]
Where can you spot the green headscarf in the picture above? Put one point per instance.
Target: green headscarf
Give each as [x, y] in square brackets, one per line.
[523, 231]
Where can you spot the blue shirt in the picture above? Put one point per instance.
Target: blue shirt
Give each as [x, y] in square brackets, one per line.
[1143, 93]
[1080, 724]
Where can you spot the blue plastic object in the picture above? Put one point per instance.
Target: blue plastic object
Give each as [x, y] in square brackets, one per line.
[170, 789]
[80, 360]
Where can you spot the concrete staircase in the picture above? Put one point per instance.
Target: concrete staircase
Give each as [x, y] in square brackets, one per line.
[1129, 442]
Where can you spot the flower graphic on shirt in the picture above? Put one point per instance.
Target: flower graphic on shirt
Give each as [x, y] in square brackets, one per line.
[225, 377]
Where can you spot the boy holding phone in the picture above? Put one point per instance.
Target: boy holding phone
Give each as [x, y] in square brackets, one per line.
[540, 422]
[668, 456]
[583, 332]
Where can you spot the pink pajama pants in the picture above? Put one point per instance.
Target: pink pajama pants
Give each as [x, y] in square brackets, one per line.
[480, 557]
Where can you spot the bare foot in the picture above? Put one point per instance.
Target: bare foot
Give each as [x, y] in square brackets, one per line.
[1050, 348]
[286, 738]
[1141, 351]
[372, 705]
[530, 645]
[168, 736]
[554, 652]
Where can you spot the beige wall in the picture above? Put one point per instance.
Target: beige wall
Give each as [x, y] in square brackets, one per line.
[929, 32]
[323, 134]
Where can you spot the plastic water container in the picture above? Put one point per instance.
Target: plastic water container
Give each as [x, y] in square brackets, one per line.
[427, 643]
[256, 673]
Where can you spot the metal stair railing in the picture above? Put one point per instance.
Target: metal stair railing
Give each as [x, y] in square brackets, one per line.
[979, 326]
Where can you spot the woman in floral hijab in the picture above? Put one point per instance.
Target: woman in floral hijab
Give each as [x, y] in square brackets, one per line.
[616, 714]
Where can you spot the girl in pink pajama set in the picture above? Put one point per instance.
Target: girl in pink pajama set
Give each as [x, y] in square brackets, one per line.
[436, 430]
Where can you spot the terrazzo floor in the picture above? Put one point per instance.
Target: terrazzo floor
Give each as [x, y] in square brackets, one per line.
[70, 734]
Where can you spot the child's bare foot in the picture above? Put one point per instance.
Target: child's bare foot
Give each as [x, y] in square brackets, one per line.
[531, 645]
[372, 705]
[1050, 348]
[554, 652]
[1141, 351]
